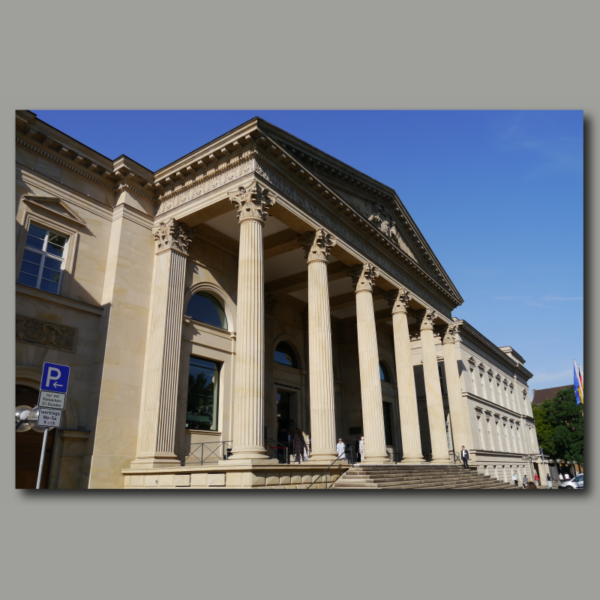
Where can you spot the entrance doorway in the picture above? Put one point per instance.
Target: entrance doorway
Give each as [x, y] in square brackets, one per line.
[286, 425]
[28, 447]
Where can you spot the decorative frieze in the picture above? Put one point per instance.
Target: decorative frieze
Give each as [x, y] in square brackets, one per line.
[317, 245]
[253, 202]
[47, 334]
[171, 235]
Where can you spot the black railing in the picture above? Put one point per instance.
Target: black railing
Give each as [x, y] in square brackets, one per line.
[279, 450]
[205, 453]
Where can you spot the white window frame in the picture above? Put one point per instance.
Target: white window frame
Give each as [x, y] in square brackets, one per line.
[69, 254]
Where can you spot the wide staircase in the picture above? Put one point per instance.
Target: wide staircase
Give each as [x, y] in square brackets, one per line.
[417, 477]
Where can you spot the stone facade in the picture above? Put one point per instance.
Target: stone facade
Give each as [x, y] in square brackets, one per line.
[295, 248]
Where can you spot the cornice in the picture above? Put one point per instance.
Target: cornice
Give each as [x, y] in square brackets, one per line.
[504, 411]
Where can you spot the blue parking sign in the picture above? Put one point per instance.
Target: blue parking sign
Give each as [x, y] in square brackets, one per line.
[55, 378]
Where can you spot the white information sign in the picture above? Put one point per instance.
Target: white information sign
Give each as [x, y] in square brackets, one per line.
[52, 400]
[49, 417]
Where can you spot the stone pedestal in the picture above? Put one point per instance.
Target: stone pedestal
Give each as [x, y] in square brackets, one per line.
[407, 394]
[433, 390]
[363, 277]
[317, 246]
[253, 204]
[156, 439]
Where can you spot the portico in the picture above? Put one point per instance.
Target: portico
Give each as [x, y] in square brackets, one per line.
[284, 292]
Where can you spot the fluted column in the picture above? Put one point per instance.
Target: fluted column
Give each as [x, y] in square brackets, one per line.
[407, 392]
[253, 204]
[433, 390]
[459, 412]
[317, 246]
[363, 277]
[156, 439]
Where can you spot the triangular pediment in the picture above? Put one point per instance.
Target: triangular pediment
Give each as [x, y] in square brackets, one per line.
[55, 206]
[376, 203]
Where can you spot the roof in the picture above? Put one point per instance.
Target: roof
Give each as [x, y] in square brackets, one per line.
[540, 396]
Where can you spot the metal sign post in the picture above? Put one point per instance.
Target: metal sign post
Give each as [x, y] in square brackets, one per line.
[51, 403]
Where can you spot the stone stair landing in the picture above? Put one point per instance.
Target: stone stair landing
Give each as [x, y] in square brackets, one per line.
[416, 477]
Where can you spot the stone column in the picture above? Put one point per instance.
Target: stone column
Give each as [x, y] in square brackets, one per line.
[405, 375]
[459, 410]
[433, 390]
[317, 246]
[253, 203]
[156, 438]
[363, 277]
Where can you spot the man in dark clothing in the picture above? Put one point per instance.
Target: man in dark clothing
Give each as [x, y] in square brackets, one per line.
[464, 454]
[357, 448]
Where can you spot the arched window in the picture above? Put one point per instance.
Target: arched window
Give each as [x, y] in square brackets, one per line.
[205, 308]
[383, 373]
[284, 355]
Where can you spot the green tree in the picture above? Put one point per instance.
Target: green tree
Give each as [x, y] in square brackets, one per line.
[559, 426]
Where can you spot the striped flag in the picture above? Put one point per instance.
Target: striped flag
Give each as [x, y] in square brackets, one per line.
[581, 381]
[577, 384]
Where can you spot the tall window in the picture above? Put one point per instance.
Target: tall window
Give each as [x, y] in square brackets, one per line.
[205, 308]
[499, 392]
[384, 373]
[482, 382]
[498, 436]
[473, 380]
[507, 444]
[203, 394]
[489, 428]
[448, 435]
[284, 355]
[480, 433]
[442, 379]
[43, 259]
[491, 389]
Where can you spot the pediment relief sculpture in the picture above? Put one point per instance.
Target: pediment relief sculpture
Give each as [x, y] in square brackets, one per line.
[383, 220]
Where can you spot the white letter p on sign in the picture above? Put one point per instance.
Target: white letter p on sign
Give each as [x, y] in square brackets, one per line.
[53, 375]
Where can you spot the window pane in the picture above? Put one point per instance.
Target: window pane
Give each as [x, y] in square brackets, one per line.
[30, 268]
[284, 355]
[383, 373]
[37, 232]
[57, 239]
[27, 279]
[34, 242]
[205, 308]
[54, 249]
[32, 257]
[49, 286]
[202, 394]
[51, 263]
[50, 275]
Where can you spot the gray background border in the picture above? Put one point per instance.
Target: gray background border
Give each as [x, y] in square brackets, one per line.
[336, 55]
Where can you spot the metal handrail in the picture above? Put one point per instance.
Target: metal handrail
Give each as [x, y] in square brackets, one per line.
[200, 447]
[331, 465]
[279, 445]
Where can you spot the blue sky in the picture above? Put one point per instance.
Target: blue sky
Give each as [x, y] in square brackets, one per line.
[497, 194]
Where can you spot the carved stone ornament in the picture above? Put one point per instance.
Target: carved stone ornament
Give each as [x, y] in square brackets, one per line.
[427, 318]
[317, 245]
[253, 202]
[46, 334]
[171, 235]
[449, 334]
[363, 277]
[398, 300]
[383, 220]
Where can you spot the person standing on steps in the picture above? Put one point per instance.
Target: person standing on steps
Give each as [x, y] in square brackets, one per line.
[357, 448]
[341, 448]
[361, 449]
[515, 478]
[549, 481]
[537, 480]
[464, 454]
[525, 481]
[299, 445]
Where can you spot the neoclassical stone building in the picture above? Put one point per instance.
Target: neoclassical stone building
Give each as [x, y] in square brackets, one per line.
[251, 288]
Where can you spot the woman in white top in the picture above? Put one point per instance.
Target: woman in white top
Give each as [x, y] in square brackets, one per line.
[341, 449]
[361, 449]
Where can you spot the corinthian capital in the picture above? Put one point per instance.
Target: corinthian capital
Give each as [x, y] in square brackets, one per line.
[253, 202]
[398, 300]
[171, 235]
[363, 277]
[317, 245]
[449, 334]
[427, 317]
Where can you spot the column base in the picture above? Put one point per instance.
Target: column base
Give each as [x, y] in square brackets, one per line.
[375, 460]
[445, 460]
[324, 458]
[413, 460]
[248, 462]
